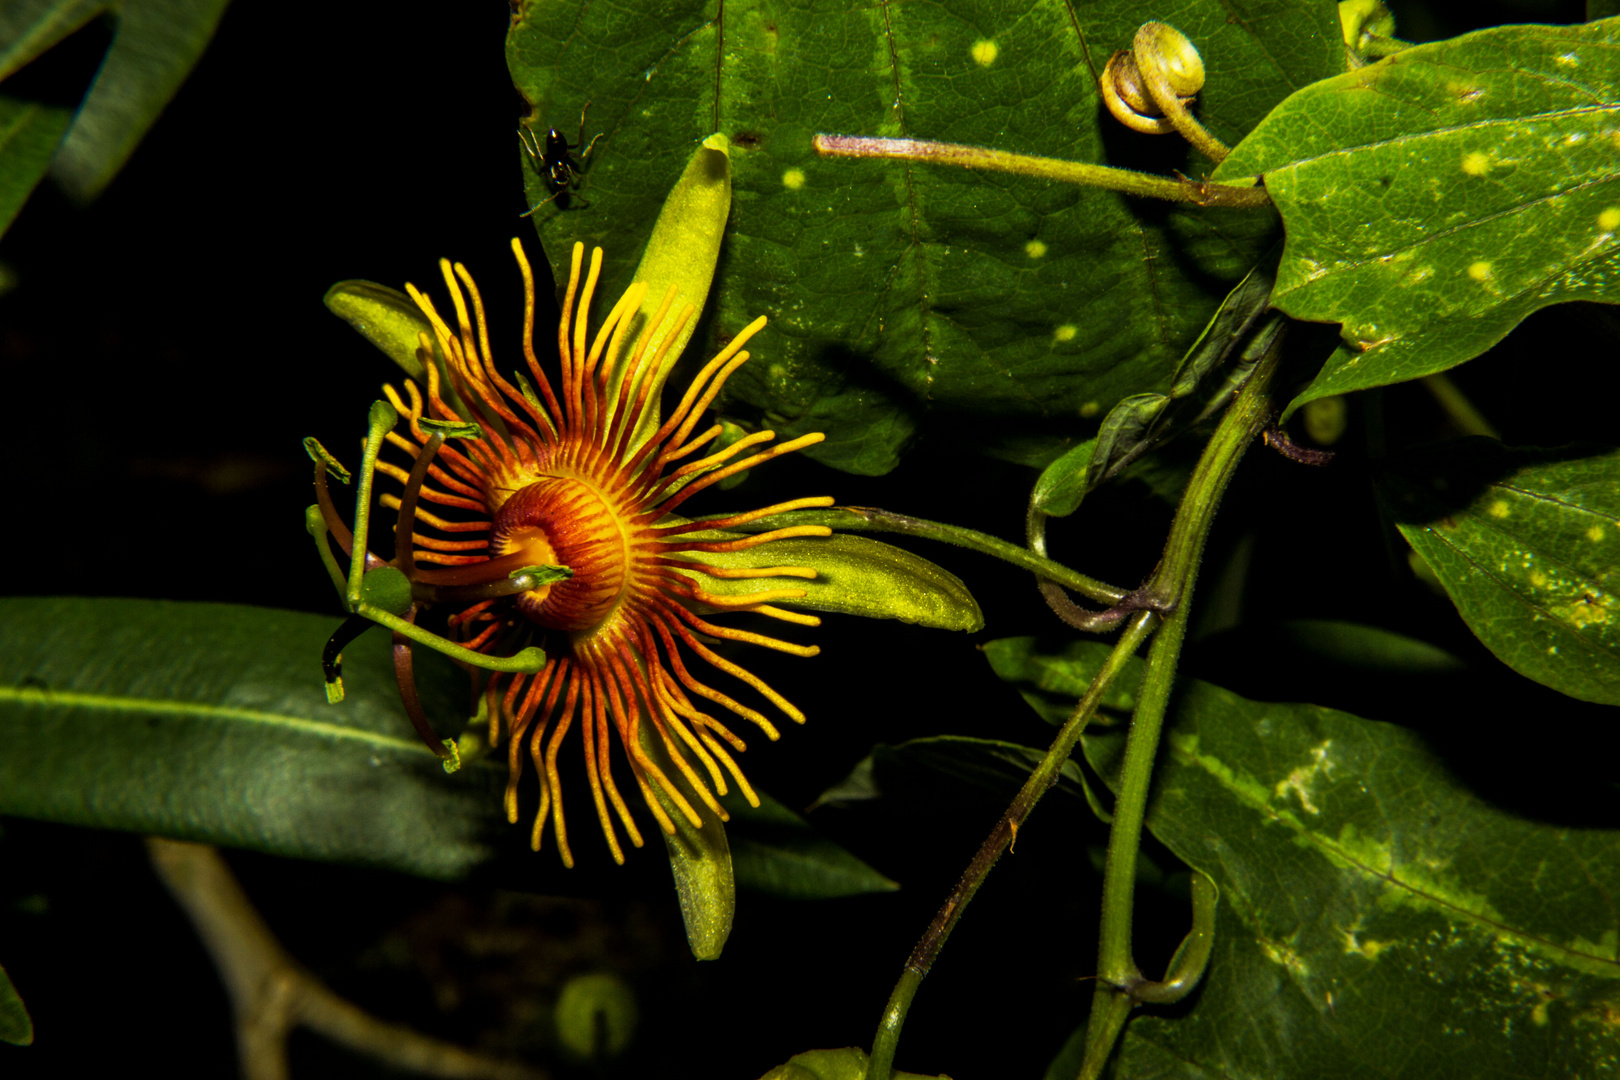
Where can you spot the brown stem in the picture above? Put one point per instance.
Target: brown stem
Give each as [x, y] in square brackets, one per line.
[271, 993]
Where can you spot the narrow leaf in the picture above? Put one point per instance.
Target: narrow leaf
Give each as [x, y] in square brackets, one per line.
[28, 28]
[209, 722]
[29, 134]
[156, 45]
[1525, 542]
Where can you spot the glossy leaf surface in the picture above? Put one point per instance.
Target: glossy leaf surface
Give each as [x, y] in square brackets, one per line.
[208, 722]
[1526, 544]
[900, 294]
[1433, 200]
[1377, 919]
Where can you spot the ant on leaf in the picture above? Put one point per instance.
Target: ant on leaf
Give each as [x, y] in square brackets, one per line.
[557, 162]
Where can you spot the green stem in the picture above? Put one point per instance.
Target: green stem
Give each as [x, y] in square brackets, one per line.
[1001, 837]
[1174, 581]
[528, 661]
[1201, 192]
[381, 421]
[869, 519]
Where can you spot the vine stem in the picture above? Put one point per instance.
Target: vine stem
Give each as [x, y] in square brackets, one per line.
[1000, 839]
[855, 519]
[1200, 192]
[1118, 975]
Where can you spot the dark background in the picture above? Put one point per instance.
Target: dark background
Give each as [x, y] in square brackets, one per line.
[165, 350]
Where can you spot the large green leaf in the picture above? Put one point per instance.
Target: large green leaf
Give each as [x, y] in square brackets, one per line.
[1433, 200]
[1377, 919]
[900, 290]
[1525, 543]
[15, 1026]
[209, 722]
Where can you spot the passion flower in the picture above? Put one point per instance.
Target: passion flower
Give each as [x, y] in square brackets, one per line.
[559, 529]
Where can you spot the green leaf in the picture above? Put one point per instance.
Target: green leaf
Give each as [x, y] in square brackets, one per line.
[1356, 647]
[1525, 542]
[29, 28]
[779, 854]
[1053, 682]
[15, 1025]
[855, 576]
[992, 767]
[209, 722]
[29, 134]
[848, 1063]
[1377, 918]
[1433, 200]
[1062, 484]
[154, 48]
[897, 291]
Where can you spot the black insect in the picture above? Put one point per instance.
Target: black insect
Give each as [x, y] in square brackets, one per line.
[558, 162]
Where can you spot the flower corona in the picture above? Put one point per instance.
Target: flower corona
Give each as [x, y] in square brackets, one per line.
[583, 476]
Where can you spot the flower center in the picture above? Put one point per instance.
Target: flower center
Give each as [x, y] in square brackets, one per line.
[564, 521]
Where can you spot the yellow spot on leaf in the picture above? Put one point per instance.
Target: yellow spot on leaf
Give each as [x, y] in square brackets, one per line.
[1595, 533]
[1034, 249]
[1089, 409]
[984, 52]
[1066, 332]
[793, 179]
[1480, 271]
[1584, 613]
[1538, 579]
[1476, 164]
[1498, 509]
[1609, 220]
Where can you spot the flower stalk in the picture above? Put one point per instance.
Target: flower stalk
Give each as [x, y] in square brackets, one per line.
[1084, 174]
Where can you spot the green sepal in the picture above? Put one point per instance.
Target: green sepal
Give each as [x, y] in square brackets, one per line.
[854, 576]
[452, 429]
[682, 251]
[387, 588]
[322, 456]
[542, 575]
[699, 860]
